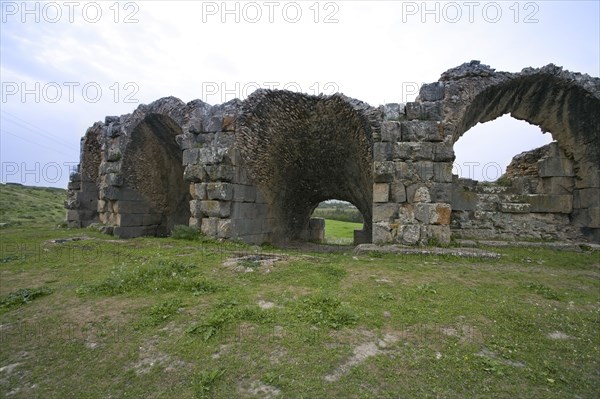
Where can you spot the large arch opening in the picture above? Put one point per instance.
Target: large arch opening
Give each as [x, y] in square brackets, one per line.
[557, 106]
[485, 151]
[152, 166]
[566, 110]
[303, 150]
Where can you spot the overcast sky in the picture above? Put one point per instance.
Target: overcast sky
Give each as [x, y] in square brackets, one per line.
[65, 65]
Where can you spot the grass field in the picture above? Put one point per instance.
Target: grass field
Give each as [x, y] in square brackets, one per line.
[341, 233]
[85, 315]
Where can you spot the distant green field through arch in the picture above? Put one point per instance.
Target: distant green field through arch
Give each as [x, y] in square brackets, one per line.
[341, 219]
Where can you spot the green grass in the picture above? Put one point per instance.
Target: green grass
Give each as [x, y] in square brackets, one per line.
[338, 232]
[167, 317]
[31, 206]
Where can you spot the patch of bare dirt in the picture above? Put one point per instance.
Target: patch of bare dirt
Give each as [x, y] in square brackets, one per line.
[150, 356]
[257, 389]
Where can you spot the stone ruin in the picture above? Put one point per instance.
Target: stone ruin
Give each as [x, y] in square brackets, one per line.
[255, 170]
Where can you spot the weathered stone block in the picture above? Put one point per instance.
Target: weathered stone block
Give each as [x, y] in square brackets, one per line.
[110, 167]
[119, 193]
[555, 185]
[113, 154]
[102, 205]
[224, 173]
[418, 193]
[195, 222]
[424, 170]
[392, 111]
[186, 140]
[442, 172]
[229, 123]
[195, 208]
[422, 131]
[513, 207]
[443, 152]
[382, 152]
[199, 191]
[194, 173]
[219, 209]
[383, 172]
[406, 215]
[224, 228]
[391, 131]
[248, 210]
[385, 212]
[463, 200]
[316, 230]
[382, 233]
[397, 192]
[406, 173]
[586, 198]
[191, 156]
[555, 166]
[114, 179]
[219, 191]
[209, 226]
[433, 213]
[594, 217]
[414, 151]
[409, 234]
[424, 110]
[138, 219]
[551, 203]
[80, 215]
[441, 192]
[123, 206]
[381, 192]
[432, 91]
[435, 234]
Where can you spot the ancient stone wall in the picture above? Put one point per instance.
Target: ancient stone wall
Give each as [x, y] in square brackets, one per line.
[533, 200]
[255, 170]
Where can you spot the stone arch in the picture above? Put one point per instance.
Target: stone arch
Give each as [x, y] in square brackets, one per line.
[560, 102]
[557, 101]
[302, 150]
[152, 167]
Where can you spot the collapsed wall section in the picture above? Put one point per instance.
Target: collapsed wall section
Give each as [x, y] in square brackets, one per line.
[534, 199]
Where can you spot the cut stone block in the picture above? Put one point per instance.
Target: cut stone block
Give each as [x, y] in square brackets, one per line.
[391, 131]
[551, 203]
[381, 192]
[219, 209]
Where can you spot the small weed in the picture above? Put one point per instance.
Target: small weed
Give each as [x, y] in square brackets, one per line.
[226, 312]
[385, 296]
[182, 232]
[205, 381]
[203, 286]
[426, 288]
[272, 378]
[23, 296]
[542, 290]
[9, 258]
[324, 309]
[161, 312]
